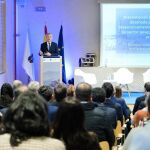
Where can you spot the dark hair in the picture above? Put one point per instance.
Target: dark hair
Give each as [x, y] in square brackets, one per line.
[118, 91]
[69, 118]
[27, 117]
[7, 90]
[60, 92]
[46, 92]
[108, 87]
[5, 101]
[148, 102]
[69, 126]
[83, 91]
[147, 86]
[98, 94]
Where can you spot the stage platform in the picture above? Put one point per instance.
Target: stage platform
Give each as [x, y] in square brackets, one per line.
[96, 76]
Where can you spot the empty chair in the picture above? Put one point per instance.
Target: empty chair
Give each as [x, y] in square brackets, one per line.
[123, 77]
[146, 76]
[85, 77]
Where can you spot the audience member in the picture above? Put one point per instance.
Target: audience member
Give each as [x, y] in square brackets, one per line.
[27, 126]
[140, 101]
[122, 102]
[16, 84]
[34, 86]
[21, 89]
[69, 127]
[138, 138]
[70, 90]
[102, 120]
[7, 90]
[99, 96]
[6, 97]
[46, 92]
[141, 115]
[60, 93]
[111, 101]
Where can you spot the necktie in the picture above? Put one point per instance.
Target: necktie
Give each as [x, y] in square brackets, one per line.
[49, 45]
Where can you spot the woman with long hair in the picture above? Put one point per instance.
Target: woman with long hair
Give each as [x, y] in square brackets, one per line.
[69, 127]
[26, 125]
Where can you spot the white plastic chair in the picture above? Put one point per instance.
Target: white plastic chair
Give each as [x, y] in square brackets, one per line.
[123, 77]
[146, 76]
[86, 77]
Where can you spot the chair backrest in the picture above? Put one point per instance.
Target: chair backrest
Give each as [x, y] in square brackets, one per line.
[118, 129]
[104, 145]
[86, 77]
[123, 76]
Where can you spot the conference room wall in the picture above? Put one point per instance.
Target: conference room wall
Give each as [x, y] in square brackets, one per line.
[80, 20]
[8, 76]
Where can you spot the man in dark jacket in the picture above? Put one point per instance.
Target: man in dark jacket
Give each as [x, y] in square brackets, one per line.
[49, 48]
[97, 119]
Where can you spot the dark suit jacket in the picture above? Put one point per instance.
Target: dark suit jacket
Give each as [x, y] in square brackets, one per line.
[98, 120]
[110, 102]
[53, 49]
[138, 102]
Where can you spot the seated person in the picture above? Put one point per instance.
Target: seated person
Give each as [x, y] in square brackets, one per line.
[139, 103]
[69, 127]
[141, 115]
[138, 138]
[122, 102]
[26, 125]
[111, 101]
[47, 92]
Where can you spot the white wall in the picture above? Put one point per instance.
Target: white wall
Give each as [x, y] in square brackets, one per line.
[80, 20]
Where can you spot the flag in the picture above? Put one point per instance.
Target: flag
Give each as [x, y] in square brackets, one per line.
[61, 49]
[28, 60]
[45, 32]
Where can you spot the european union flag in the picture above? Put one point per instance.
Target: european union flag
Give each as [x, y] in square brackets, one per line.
[61, 50]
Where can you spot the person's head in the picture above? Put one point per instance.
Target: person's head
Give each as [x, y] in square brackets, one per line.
[49, 37]
[70, 90]
[69, 119]
[16, 84]
[21, 89]
[7, 90]
[118, 91]
[147, 87]
[108, 87]
[34, 86]
[46, 92]
[98, 95]
[27, 117]
[60, 92]
[83, 91]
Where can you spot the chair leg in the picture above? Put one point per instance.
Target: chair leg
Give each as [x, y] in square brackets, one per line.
[128, 89]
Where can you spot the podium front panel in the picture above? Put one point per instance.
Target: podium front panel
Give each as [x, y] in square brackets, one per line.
[51, 70]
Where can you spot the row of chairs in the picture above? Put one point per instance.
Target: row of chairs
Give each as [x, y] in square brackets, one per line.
[119, 137]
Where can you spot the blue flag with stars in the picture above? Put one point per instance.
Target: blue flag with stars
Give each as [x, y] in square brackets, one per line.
[61, 50]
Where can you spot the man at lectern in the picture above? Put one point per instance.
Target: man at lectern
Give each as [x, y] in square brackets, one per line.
[49, 48]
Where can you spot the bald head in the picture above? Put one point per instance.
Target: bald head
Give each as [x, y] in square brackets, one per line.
[83, 91]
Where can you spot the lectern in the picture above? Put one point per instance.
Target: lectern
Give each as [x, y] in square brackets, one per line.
[50, 69]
